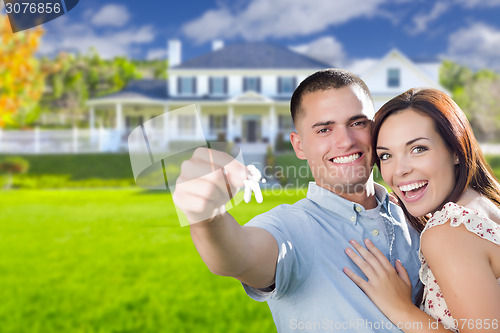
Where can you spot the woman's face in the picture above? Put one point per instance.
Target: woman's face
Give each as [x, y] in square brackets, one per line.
[415, 161]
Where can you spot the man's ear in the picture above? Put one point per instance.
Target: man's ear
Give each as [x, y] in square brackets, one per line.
[297, 145]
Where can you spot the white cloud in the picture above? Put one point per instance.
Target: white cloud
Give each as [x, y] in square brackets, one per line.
[65, 35]
[156, 54]
[326, 49]
[421, 21]
[262, 19]
[479, 3]
[477, 46]
[111, 15]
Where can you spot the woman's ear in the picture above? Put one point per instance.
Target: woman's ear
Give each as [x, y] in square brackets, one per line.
[297, 145]
[456, 159]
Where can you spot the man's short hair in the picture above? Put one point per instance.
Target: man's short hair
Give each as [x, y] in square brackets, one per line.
[330, 78]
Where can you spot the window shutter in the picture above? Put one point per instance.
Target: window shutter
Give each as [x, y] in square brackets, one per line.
[194, 85]
[244, 84]
[294, 83]
[279, 85]
[225, 86]
[258, 84]
[179, 91]
[211, 85]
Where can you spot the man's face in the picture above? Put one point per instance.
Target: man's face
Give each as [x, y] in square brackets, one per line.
[334, 136]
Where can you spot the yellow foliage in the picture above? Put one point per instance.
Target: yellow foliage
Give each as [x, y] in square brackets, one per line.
[21, 80]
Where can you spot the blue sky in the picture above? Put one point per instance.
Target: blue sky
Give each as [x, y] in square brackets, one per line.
[344, 33]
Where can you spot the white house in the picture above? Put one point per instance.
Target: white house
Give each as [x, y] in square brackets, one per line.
[242, 92]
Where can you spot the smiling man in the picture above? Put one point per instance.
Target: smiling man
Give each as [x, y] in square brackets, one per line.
[293, 256]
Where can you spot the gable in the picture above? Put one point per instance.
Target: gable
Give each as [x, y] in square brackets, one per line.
[410, 75]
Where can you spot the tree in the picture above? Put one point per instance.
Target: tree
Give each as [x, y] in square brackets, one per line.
[21, 80]
[82, 76]
[478, 94]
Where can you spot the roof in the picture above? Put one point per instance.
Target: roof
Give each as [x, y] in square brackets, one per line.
[138, 89]
[252, 55]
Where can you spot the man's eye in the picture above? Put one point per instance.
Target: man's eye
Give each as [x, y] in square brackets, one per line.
[359, 123]
[384, 156]
[323, 130]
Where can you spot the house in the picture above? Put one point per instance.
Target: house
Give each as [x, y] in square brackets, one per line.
[242, 92]
[395, 73]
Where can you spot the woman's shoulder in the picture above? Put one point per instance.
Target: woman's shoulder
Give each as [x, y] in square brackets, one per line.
[458, 222]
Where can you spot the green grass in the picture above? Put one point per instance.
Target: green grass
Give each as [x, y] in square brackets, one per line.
[114, 261]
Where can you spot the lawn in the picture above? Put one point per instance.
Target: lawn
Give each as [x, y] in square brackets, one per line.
[114, 261]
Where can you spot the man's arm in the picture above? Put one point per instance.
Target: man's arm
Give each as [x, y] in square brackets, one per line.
[247, 253]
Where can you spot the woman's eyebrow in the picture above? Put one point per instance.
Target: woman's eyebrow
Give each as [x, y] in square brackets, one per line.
[407, 144]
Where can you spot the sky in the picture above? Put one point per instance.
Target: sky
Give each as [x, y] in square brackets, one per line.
[342, 33]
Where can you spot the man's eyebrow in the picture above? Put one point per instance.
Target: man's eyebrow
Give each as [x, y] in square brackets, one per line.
[407, 144]
[331, 122]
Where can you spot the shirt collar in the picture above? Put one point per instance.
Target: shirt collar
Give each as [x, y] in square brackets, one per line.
[343, 207]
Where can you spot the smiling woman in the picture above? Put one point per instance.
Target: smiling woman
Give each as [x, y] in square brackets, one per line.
[430, 158]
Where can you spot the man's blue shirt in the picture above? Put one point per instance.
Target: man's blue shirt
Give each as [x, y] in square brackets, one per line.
[312, 293]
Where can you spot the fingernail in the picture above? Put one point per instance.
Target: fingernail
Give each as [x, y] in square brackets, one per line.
[348, 250]
[352, 241]
[345, 269]
[367, 241]
[399, 261]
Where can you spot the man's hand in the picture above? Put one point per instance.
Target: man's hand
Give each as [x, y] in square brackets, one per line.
[208, 180]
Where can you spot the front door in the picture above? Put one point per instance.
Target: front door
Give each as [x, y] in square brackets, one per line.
[251, 128]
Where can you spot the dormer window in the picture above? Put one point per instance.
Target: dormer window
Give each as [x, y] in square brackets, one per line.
[186, 85]
[393, 77]
[286, 85]
[218, 86]
[251, 83]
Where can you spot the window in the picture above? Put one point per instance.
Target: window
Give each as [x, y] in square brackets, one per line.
[186, 85]
[251, 83]
[187, 125]
[286, 85]
[393, 77]
[285, 123]
[217, 124]
[218, 85]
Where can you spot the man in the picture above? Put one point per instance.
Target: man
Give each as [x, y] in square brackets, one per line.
[293, 256]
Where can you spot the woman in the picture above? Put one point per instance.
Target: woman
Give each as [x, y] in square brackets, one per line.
[428, 155]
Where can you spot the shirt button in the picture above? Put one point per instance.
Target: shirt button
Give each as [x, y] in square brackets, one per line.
[375, 232]
[353, 218]
[358, 209]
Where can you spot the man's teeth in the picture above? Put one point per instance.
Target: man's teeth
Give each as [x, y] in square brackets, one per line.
[347, 159]
[412, 186]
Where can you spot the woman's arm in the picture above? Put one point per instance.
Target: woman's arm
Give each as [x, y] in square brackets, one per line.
[461, 262]
[389, 289]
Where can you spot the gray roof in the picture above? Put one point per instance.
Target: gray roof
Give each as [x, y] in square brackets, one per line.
[137, 89]
[252, 55]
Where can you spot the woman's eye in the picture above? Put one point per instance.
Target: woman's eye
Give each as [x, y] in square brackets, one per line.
[419, 149]
[384, 156]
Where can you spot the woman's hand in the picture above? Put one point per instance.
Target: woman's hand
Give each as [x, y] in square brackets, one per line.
[388, 288]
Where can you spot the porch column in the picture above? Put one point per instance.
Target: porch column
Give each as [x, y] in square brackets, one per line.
[199, 129]
[166, 122]
[92, 119]
[119, 117]
[273, 125]
[230, 120]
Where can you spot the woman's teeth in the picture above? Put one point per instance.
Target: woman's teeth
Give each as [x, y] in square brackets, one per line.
[347, 159]
[412, 186]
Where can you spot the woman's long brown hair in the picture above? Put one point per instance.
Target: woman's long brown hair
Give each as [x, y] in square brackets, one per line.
[452, 124]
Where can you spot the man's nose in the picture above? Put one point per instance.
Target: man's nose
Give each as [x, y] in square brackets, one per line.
[344, 138]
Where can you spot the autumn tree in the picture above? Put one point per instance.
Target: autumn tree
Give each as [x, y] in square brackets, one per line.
[21, 81]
